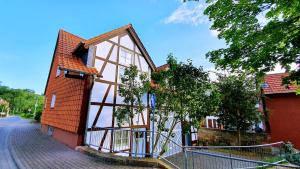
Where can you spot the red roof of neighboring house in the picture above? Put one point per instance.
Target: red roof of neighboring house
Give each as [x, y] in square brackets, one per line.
[162, 67]
[275, 86]
[66, 44]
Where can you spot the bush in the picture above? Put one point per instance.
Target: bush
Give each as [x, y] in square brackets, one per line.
[293, 158]
[292, 155]
[37, 116]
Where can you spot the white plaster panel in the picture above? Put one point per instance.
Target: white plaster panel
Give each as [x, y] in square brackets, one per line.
[103, 49]
[105, 118]
[119, 100]
[136, 62]
[126, 42]
[98, 64]
[144, 64]
[93, 109]
[137, 119]
[137, 50]
[110, 96]
[114, 39]
[145, 114]
[98, 91]
[109, 72]
[114, 54]
[144, 99]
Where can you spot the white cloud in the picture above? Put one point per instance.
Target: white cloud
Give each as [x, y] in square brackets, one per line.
[214, 33]
[188, 13]
[279, 69]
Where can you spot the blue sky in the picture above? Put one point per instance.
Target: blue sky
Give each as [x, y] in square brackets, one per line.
[28, 31]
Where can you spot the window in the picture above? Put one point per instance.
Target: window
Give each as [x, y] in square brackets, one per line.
[45, 103]
[121, 73]
[57, 72]
[50, 131]
[53, 101]
[121, 139]
[125, 57]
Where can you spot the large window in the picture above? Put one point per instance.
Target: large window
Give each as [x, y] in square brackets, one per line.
[121, 139]
[125, 57]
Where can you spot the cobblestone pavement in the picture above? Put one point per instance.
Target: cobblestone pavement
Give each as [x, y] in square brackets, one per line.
[23, 146]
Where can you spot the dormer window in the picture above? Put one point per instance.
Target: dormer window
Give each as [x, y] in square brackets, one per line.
[58, 72]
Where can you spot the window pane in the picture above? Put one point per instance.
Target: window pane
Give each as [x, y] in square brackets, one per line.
[53, 100]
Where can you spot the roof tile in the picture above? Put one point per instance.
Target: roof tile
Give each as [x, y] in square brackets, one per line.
[66, 44]
[275, 85]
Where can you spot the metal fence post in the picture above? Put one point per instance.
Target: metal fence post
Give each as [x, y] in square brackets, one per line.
[185, 159]
[230, 161]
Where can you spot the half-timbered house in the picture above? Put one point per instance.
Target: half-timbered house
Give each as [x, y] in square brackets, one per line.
[81, 94]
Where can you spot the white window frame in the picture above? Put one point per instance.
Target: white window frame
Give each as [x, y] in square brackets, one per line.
[121, 141]
[126, 57]
[58, 71]
[53, 99]
[45, 103]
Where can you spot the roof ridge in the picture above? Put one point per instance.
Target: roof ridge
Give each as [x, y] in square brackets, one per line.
[64, 31]
[93, 39]
[283, 73]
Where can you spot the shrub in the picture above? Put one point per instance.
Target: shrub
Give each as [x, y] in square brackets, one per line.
[37, 116]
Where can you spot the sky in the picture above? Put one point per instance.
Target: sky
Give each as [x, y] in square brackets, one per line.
[28, 32]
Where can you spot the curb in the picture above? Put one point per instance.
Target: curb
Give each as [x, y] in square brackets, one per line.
[122, 160]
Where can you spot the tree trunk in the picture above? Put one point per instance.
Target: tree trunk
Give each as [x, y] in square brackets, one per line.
[168, 138]
[239, 136]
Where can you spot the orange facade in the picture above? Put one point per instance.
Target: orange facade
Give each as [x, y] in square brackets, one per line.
[68, 115]
[284, 118]
[283, 106]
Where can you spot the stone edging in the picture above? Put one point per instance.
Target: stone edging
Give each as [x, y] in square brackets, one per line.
[110, 158]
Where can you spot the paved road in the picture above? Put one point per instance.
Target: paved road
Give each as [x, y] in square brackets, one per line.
[23, 146]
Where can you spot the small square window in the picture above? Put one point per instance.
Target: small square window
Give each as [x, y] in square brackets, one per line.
[57, 72]
[53, 101]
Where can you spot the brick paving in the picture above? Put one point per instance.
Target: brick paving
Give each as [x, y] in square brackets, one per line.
[26, 147]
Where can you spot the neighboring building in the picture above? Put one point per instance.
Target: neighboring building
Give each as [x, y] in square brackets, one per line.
[81, 94]
[284, 109]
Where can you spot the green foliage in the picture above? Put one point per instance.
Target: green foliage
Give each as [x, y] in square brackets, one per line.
[293, 158]
[134, 85]
[288, 148]
[237, 109]
[184, 92]
[251, 44]
[22, 101]
[292, 155]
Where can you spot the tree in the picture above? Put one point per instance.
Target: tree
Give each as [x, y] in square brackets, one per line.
[259, 34]
[134, 85]
[184, 92]
[22, 101]
[238, 102]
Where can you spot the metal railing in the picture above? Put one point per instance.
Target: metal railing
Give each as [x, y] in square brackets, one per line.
[235, 157]
[132, 142]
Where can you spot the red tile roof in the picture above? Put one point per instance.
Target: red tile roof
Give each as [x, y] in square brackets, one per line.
[67, 42]
[275, 86]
